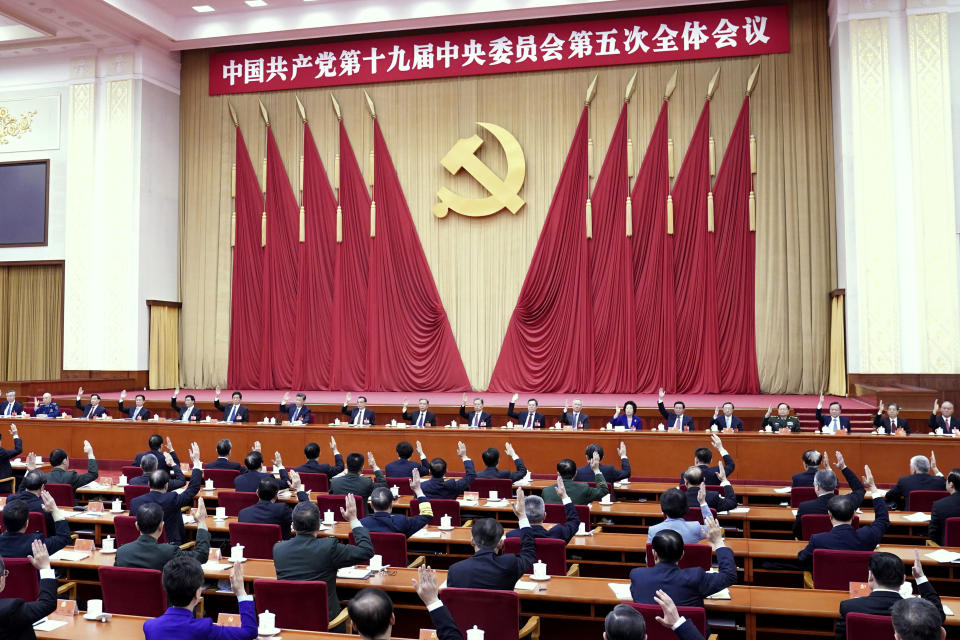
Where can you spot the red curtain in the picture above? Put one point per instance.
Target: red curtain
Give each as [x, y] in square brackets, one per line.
[348, 329]
[243, 366]
[735, 259]
[410, 345]
[653, 267]
[611, 273]
[279, 293]
[314, 300]
[695, 304]
[549, 342]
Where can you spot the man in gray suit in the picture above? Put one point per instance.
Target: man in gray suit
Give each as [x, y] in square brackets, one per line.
[353, 482]
[308, 557]
[146, 552]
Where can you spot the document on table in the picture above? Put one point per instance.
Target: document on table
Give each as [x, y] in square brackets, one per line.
[621, 590]
[215, 566]
[423, 533]
[525, 585]
[68, 555]
[942, 555]
[947, 610]
[46, 624]
[918, 517]
[723, 594]
[783, 490]
[353, 573]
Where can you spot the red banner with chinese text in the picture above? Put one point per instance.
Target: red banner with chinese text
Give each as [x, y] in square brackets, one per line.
[565, 45]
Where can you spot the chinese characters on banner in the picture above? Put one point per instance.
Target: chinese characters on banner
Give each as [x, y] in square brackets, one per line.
[644, 39]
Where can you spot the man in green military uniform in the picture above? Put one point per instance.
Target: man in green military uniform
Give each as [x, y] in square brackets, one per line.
[783, 419]
[578, 492]
[62, 474]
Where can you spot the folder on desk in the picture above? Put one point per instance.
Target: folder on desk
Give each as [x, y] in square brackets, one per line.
[621, 591]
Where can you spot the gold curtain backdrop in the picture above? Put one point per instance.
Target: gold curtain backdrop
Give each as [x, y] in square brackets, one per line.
[31, 332]
[479, 264]
[164, 365]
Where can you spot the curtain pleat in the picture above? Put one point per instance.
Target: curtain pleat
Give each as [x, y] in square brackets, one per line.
[31, 331]
[838, 348]
[164, 370]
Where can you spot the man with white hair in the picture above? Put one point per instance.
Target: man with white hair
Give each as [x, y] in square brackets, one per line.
[47, 409]
[576, 418]
[536, 512]
[945, 420]
[918, 480]
[11, 406]
[824, 484]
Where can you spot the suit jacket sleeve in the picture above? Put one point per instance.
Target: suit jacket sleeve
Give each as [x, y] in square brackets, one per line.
[728, 500]
[520, 472]
[895, 494]
[856, 487]
[569, 528]
[511, 413]
[875, 530]
[196, 480]
[937, 522]
[932, 422]
[247, 629]
[61, 536]
[470, 474]
[201, 551]
[928, 593]
[663, 410]
[337, 466]
[797, 524]
[840, 630]
[726, 573]
[819, 415]
[217, 405]
[45, 604]
[345, 555]
[443, 622]
[528, 553]
[405, 415]
[624, 471]
[345, 410]
[728, 465]
[12, 453]
[413, 524]
[688, 631]
[463, 412]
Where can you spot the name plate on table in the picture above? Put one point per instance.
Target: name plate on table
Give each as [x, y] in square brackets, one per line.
[428, 634]
[228, 620]
[84, 544]
[859, 589]
[95, 507]
[471, 496]
[67, 607]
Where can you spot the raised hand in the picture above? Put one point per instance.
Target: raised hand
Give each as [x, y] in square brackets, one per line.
[519, 507]
[463, 401]
[514, 398]
[716, 411]
[936, 406]
[880, 408]
[868, 480]
[405, 404]
[169, 444]
[820, 402]
[295, 485]
[427, 587]
[277, 460]
[13, 430]
[168, 459]
[933, 463]
[595, 463]
[508, 449]
[839, 464]
[917, 567]
[721, 473]
[347, 400]
[49, 504]
[565, 406]
[123, 395]
[716, 442]
[826, 460]
[561, 489]
[349, 510]
[420, 449]
[200, 513]
[195, 453]
[31, 461]
[40, 558]
[616, 411]
[371, 460]
[216, 392]
[660, 394]
[461, 450]
[670, 614]
[79, 392]
[286, 397]
[236, 580]
[415, 481]
[622, 449]
[333, 444]
[769, 410]
[256, 445]
[714, 532]
[176, 392]
[702, 493]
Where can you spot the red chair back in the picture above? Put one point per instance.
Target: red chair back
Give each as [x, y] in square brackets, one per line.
[472, 607]
[234, 501]
[222, 478]
[656, 631]
[693, 514]
[549, 550]
[391, 546]
[951, 536]
[257, 539]
[923, 500]
[837, 569]
[802, 494]
[440, 508]
[402, 484]
[555, 513]
[694, 555]
[285, 599]
[814, 523]
[62, 494]
[315, 482]
[23, 581]
[37, 523]
[503, 486]
[131, 472]
[334, 503]
[125, 528]
[864, 626]
[132, 491]
[132, 592]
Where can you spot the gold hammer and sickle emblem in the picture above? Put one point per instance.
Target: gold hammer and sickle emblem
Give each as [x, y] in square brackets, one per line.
[503, 193]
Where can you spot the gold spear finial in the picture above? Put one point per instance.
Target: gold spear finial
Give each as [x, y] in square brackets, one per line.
[303, 112]
[591, 90]
[373, 111]
[263, 112]
[233, 115]
[671, 84]
[752, 80]
[712, 87]
[630, 85]
[336, 107]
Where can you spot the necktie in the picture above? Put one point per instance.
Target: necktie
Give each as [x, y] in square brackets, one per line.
[836, 425]
[529, 422]
[90, 415]
[476, 418]
[420, 420]
[296, 413]
[8, 409]
[186, 413]
[893, 424]
[576, 419]
[136, 412]
[233, 413]
[359, 417]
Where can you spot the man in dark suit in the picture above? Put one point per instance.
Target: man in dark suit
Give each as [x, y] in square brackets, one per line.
[576, 418]
[491, 457]
[727, 420]
[811, 463]
[299, 412]
[579, 492]
[423, 417]
[946, 420]
[438, 488]
[783, 420]
[917, 619]
[478, 417]
[383, 520]
[62, 474]
[138, 411]
[31, 492]
[267, 510]
[353, 483]
[403, 467]
[884, 577]
[844, 537]
[675, 418]
[824, 483]
[15, 542]
[529, 419]
[892, 421]
[693, 478]
[6, 455]
[148, 464]
[833, 423]
[11, 406]
[534, 507]
[361, 416]
[918, 480]
[626, 623]
[234, 412]
[945, 508]
[686, 587]
[92, 410]
[223, 461]
[16, 616]
[155, 444]
[147, 552]
[189, 412]
[250, 479]
[610, 473]
[702, 458]
[487, 569]
[309, 557]
[172, 502]
[312, 452]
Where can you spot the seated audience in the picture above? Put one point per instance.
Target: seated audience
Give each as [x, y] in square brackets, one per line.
[171, 502]
[702, 458]
[673, 504]
[843, 536]
[312, 453]
[353, 483]
[686, 587]
[421, 418]
[309, 557]
[183, 583]
[31, 492]
[676, 418]
[918, 480]
[478, 417]
[946, 420]
[693, 478]
[610, 473]
[491, 456]
[146, 552]
[892, 421]
[438, 488]
[361, 415]
[92, 410]
[299, 412]
[62, 474]
[250, 480]
[17, 616]
[885, 576]
[488, 568]
[783, 420]
[267, 510]
[11, 406]
[626, 623]
[945, 508]
[536, 512]
[155, 444]
[824, 484]
[189, 412]
[579, 492]
[223, 461]
[149, 464]
[811, 463]
[917, 619]
[6, 455]
[402, 467]
[575, 418]
[727, 420]
[529, 419]
[234, 412]
[15, 542]
[383, 520]
[138, 411]
[46, 409]
[629, 418]
[833, 423]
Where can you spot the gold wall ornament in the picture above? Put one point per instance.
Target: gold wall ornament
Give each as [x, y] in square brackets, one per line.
[503, 192]
[12, 126]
